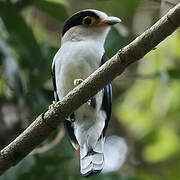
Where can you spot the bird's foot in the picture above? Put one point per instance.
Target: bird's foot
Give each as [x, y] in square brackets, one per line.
[89, 102]
[77, 81]
[92, 102]
[52, 105]
[71, 118]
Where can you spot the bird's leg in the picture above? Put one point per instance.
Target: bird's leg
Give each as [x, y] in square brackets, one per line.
[52, 105]
[77, 82]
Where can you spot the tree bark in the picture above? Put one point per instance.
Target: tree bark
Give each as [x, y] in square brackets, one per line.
[47, 122]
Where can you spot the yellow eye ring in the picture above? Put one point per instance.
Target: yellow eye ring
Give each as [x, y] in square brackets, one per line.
[88, 20]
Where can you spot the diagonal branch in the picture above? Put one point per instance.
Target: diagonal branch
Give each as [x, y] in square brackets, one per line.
[40, 129]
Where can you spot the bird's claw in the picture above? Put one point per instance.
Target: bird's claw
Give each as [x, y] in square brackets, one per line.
[71, 118]
[77, 81]
[52, 105]
[89, 102]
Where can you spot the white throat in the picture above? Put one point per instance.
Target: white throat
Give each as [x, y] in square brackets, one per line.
[80, 33]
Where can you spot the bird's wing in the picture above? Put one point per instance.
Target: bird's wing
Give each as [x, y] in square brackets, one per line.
[54, 83]
[70, 131]
[67, 124]
[107, 98]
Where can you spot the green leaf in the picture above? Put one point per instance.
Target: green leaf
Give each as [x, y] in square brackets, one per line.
[118, 37]
[20, 36]
[174, 73]
[11, 70]
[55, 9]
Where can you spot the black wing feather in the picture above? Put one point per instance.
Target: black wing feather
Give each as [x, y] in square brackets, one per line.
[54, 84]
[107, 98]
[67, 124]
[70, 131]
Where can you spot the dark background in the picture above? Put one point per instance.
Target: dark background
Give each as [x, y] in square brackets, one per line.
[146, 98]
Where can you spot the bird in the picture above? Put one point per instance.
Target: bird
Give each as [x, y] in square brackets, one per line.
[81, 53]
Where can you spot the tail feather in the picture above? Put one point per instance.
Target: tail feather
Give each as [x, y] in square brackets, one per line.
[98, 167]
[98, 158]
[99, 146]
[85, 162]
[87, 171]
[83, 151]
[92, 160]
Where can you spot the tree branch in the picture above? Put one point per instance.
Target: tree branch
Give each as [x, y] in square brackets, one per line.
[47, 122]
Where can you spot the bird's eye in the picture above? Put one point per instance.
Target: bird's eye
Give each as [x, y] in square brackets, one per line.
[88, 20]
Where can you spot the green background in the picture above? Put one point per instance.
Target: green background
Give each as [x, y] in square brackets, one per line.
[146, 98]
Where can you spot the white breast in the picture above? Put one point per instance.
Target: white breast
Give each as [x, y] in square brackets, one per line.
[75, 60]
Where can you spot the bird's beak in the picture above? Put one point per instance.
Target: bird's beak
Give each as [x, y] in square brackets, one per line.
[111, 20]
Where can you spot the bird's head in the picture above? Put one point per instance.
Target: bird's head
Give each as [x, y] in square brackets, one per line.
[88, 24]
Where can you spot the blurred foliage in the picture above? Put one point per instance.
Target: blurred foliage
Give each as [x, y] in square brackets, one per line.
[146, 102]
